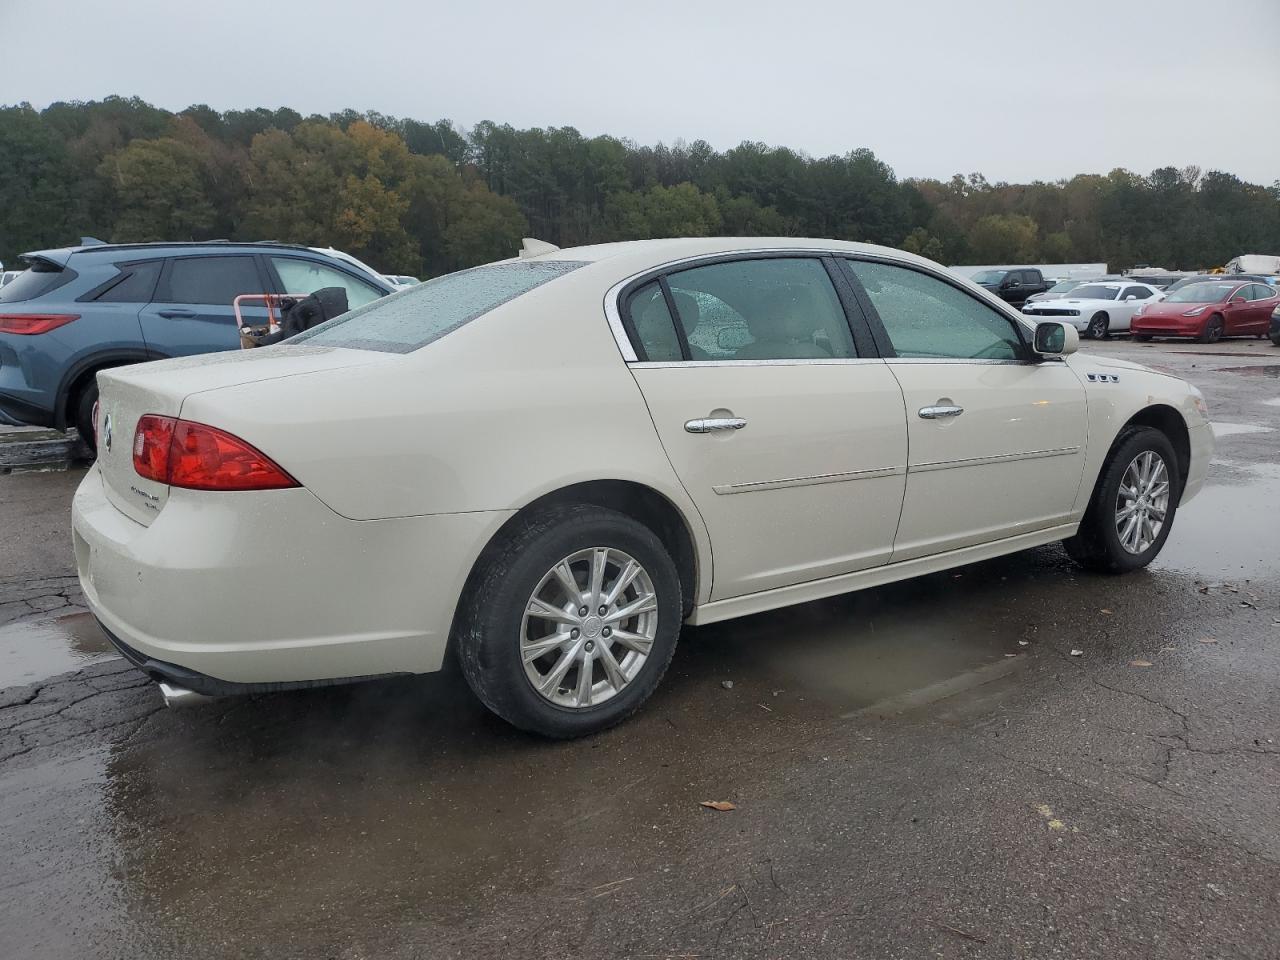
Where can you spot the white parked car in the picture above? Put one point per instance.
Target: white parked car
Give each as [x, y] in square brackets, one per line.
[1096, 309]
[546, 466]
[400, 281]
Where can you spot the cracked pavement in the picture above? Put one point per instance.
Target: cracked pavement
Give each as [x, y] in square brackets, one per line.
[921, 770]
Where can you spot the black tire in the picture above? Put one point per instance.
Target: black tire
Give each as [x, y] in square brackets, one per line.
[1275, 339]
[1142, 337]
[1099, 324]
[83, 411]
[1213, 330]
[1096, 546]
[487, 632]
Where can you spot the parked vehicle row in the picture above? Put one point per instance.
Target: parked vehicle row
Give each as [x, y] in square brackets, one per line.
[1210, 310]
[77, 311]
[1096, 309]
[750, 425]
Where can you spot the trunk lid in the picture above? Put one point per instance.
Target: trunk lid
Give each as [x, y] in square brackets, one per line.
[128, 393]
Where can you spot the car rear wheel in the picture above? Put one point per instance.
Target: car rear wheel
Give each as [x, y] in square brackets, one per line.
[84, 413]
[1098, 325]
[1133, 504]
[1212, 330]
[570, 621]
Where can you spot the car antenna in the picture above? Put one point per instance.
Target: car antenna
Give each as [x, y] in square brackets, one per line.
[529, 247]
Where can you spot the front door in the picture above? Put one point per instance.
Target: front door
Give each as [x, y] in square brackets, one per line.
[789, 438]
[192, 310]
[997, 440]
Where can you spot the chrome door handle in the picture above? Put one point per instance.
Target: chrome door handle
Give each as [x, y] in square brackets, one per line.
[938, 412]
[714, 424]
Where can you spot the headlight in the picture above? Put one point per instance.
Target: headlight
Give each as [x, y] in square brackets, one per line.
[1198, 398]
[1195, 312]
[1073, 313]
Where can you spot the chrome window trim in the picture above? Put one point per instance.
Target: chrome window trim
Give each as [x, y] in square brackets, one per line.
[981, 360]
[613, 313]
[794, 362]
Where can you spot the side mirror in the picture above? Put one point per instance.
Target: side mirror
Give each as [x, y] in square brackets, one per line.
[1131, 297]
[1237, 299]
[1055, 339]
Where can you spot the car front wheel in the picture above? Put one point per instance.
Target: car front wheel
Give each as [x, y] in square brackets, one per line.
[1212, 330]
[1133, 504]
[570, 621]
[1098, 325]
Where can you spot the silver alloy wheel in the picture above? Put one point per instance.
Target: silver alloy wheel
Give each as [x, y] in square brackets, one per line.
[588, 627]
[1142, 502]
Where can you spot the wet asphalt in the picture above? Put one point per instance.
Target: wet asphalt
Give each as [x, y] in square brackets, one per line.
[920, 770]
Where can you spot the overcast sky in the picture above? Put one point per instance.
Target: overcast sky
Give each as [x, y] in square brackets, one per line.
[1015, 90]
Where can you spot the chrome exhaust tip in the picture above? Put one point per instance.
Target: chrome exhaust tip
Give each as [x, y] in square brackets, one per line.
[180, 696]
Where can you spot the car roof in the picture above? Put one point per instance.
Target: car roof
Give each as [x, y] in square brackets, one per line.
[60, 255]
[643, 253]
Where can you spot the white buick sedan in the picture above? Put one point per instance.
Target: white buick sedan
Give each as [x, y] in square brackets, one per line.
[544, 466]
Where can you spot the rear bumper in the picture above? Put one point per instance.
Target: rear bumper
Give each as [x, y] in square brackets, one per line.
[243, 592]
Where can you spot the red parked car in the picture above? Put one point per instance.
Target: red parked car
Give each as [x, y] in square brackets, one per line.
[1209, 310]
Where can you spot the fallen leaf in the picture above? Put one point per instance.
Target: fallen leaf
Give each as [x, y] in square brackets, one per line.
[1105, 611]
[1077, 653]
[721, 805]
[1208, 640]
[1249, 603]
[1010, 654]
[1204, 589]
[1057, 825]
[764, 708]
[1139, 663]
[727, 684]
[1023, 643]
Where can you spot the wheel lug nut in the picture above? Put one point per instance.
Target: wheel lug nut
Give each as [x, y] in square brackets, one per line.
[583, 611]
[603, 609]
[573, 634]
[606, 632]
[590, 646]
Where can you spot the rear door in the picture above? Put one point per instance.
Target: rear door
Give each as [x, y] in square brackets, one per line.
[786, 430]
[1261, 302]
[192, 312]
[996, 439]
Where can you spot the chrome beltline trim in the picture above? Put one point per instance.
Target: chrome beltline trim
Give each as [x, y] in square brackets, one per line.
[999, 458]
[823, 361]
[725, 489]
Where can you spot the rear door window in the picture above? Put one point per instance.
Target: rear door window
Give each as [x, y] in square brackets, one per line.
[761, 309]
[418, 315]
[210, 280]
[298, 275]
[36, 281]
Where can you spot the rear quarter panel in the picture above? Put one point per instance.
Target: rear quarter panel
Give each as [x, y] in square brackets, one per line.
[527, 399]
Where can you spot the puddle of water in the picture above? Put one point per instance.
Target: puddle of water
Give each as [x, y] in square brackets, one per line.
[1260, 370]
[1229, 529]
[34, 650]
[1273, 402]
[1232, 429]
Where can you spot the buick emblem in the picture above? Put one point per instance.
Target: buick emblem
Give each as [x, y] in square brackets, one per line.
[106, 432]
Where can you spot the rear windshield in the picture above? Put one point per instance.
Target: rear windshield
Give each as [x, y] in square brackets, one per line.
[35, 282]
[414, 317]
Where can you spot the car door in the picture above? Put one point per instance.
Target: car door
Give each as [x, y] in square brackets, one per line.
[1122, 313]
[1261, 303]
[1235, 312]
[996, 438]
[192, 309]
[787, 431]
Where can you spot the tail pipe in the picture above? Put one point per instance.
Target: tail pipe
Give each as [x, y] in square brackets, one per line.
[175, 696]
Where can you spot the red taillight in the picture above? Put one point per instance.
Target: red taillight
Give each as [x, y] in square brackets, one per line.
[199, 457]
[32, 323]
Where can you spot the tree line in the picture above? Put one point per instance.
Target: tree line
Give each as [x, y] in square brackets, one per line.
[425, 198]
